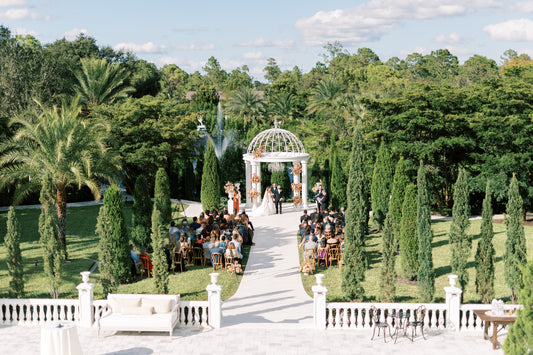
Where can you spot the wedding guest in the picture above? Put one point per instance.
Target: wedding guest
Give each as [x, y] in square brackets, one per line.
[173, 233]
[195, 225]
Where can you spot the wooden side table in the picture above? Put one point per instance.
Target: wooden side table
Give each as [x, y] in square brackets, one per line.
[495, 320]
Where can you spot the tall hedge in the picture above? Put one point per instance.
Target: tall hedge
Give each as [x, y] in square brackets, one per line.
[485, 252]
[120, 251]
[106, 265]
[408, 235]
[520, 336]
[15, 269]
[426, 273]
[53, 252]
[159, 261]
[162, 196]
[381, 185]
[388, 261]
[515, 245]
[355, 259]
[337, 190]
[460, 239]
[399, 183]
[141, 213]
[210, 190]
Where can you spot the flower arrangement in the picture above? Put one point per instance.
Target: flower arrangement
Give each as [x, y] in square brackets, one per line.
[297, 187]
[296, 169]
[229, 188]
[317, 186]
[256, 179]
[253, 194]
[296, 200]
[306, 268]
[258, 152]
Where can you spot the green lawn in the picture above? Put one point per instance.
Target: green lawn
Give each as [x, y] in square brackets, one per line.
[83, 249]
[441, 261]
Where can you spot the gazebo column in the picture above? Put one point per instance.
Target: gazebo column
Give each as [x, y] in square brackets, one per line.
[255, 172]
[304, 183]
[248, 168]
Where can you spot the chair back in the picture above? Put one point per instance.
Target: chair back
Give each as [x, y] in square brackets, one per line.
[145, 263]
[420, 313]
[375, 315]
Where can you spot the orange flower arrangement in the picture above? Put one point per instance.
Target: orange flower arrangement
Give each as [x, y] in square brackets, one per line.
[229, 188]
[253, 194]
[296, 200]
[255, 179]
[296, 169]
[296, 187]
[258, 152]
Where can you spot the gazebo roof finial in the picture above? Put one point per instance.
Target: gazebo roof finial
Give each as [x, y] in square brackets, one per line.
[277, 123]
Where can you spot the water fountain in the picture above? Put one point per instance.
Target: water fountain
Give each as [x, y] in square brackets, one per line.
[221, 138]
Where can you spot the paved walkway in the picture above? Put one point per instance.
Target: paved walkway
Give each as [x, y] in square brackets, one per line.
[269, 314]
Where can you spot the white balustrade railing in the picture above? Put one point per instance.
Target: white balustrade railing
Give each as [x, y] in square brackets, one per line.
[194, 314]
[470, 321]
[355, 315]
[38, 311]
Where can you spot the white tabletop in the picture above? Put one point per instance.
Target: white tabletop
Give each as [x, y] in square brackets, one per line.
[60, 339]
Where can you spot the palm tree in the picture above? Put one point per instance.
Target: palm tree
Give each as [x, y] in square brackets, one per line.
[282, 105]
[101, 82]
[54, 149]
[324, 95]
[246, 103]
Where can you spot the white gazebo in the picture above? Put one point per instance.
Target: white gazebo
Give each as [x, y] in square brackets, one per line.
[275, 145]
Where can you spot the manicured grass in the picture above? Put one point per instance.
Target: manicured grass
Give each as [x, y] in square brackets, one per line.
[82, 247]
[441, 259]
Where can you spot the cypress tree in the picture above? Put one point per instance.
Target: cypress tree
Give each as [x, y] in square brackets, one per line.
[520, 336]
[338, 180]
[426, 273]
[210, 189]
[381, 185]
[355, 260]
[515, 245]
[53, 252]
[485, 252]
[388, 270]
[162, 196]
[106, 265]
[408, 235]
[141, 211]
[120, 253]
[15, 269]
[281, 178]
[159, 260]
[460, 240]
[399, 183]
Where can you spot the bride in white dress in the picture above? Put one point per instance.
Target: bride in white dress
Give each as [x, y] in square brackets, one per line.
[267, 207]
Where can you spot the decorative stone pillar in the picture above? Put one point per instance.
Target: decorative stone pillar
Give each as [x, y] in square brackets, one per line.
[86, 297]
[248, 169]
[230, 203]
[304, 183]
[214, 301]
[255, 169]
[453, 303]
[319, 302]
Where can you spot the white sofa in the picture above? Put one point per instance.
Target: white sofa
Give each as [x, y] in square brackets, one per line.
[142, 313]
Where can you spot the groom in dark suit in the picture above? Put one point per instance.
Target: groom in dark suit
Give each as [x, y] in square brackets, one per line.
[278, 197]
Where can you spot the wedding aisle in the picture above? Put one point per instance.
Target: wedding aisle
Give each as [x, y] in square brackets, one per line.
[271, 290]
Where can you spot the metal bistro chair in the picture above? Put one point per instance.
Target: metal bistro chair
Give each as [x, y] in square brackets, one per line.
[376, 323]
[420, 314]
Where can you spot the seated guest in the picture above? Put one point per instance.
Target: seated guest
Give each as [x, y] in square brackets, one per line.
[195, 225]
[135, 258]
[304, 217]
[310, 245]
[237, 245]
[173, 233]
[322, 252]
[184, 242]
[207, 245]
[217, 249]
[223, 243]
[301, 231]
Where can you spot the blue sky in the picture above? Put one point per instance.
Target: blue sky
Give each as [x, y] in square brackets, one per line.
[187, 33]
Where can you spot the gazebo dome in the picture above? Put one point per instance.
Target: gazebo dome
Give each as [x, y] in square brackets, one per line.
[276, 140]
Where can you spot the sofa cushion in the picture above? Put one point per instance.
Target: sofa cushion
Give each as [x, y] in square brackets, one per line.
[162, 305]
[135, 310]
[118, 303]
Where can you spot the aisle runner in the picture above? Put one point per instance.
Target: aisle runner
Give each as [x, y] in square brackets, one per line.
[271, 289]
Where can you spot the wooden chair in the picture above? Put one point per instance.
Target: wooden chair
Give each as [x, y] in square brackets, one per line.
[228, 261]
[309, 258]
[418, 321]
[198, 255]
[177, 259]
[217, 259]
[186, 254]
[145, 266]
[322, 255]
[377, 324]
[333, 254]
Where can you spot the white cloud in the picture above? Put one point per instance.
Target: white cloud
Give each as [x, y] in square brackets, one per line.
[11, 3]
[263, 42]
[21, 31]
[524, 6]
[253, 55]
[512, 30]
[22, 14]
[372, 19]
[148, 47]
[190, 66]
[74, 33]
[419, 50]
[196, 47]
[452, 38]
